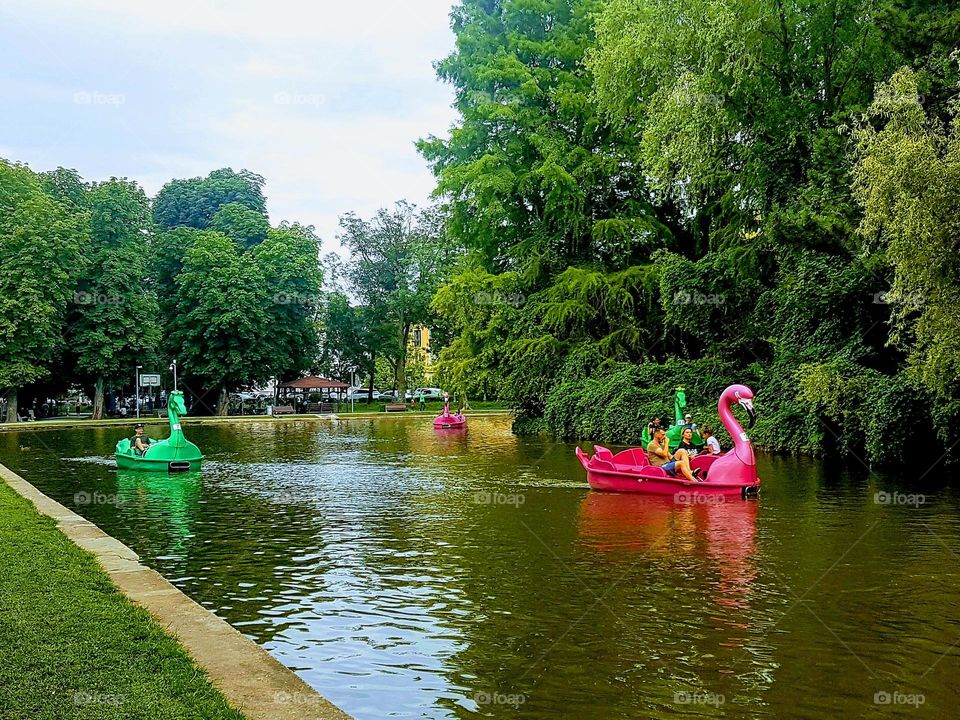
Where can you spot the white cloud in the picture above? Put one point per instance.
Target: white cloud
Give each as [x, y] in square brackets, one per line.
[324, 99]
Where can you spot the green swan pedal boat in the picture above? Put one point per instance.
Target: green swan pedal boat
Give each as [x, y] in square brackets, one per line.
[675, 431]
[175, 454]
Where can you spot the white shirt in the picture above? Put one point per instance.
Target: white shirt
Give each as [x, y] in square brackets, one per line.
[713, 444]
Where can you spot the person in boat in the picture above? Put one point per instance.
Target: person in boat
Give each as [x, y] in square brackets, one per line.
[712, 444]
[140, 441]
[689, 423]
[654, 424]
[659, 455]
[686, 442]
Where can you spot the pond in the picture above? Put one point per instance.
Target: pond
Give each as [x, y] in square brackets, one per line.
[408, 573]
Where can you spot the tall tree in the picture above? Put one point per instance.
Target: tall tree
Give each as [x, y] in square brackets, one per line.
[534, 177]
[908, 183]
[115, 321]
[40, 243]
[289, 260]
[220, 329]
[194, 202]
[397, 259]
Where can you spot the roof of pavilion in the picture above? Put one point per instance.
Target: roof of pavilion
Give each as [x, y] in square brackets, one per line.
[312, 382]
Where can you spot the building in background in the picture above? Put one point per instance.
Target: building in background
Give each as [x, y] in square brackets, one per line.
[418, 353]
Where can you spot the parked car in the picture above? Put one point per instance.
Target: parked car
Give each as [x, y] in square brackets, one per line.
[360, 394]
[429, 393]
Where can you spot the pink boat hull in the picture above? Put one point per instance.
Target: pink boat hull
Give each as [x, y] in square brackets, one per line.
[450, 422]
[610, 476]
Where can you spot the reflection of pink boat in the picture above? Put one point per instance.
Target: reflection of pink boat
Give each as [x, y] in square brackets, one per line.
[448, 420]
[725, 532]
[732, 474]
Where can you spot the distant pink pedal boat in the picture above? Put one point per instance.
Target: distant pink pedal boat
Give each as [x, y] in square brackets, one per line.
[448, 420]
[733, 473]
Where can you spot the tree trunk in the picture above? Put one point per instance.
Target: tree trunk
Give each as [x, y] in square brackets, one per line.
[98, 400]
[402, 363]
[223, 404]
[12, 405]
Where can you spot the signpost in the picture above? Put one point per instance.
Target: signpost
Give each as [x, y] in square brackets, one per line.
[149, 380]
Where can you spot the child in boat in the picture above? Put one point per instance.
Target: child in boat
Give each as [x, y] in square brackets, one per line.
[713, 445]
[659, 455]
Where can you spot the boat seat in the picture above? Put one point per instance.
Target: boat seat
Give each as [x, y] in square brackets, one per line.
[601, 453]
[634, 457]
[651, 471]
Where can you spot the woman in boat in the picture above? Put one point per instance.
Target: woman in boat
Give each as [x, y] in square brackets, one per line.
[686, 442]
[659, 455]
[713, 445]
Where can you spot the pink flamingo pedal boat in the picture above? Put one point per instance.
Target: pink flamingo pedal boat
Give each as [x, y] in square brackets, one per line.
[732, 474]
[448, 420]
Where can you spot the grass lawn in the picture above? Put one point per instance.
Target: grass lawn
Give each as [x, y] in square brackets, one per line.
[72, 646]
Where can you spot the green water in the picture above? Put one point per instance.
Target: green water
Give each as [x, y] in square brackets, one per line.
[412, 574]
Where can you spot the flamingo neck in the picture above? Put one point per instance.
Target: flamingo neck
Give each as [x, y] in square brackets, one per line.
[737, 434]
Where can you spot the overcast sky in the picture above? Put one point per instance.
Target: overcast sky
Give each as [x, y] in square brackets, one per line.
[324, 99]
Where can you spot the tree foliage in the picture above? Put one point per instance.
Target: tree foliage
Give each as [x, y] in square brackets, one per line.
[115, 320]
[196, 201]
[40, 243]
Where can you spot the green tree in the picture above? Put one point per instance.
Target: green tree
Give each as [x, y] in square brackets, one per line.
[241, 224]
[908, 183]
[195, 202]
[534, 177]
[115, 322]
[396, 264]
[66, 187]
[40, 243]
[221, 330]
[288, 259]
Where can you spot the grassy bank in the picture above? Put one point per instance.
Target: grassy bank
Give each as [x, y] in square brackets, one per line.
[73, 646]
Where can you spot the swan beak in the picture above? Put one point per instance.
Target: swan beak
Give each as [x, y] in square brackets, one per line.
[748, 406]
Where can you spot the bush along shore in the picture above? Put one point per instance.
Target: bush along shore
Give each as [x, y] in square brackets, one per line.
[870, 416]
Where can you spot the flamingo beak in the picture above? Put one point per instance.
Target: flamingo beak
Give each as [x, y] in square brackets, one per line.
[747, 405]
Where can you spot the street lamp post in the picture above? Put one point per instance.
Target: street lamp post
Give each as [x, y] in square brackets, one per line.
[353, 383]
[138, 390]
[173, 366]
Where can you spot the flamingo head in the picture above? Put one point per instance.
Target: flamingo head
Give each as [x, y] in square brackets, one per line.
[744, 396]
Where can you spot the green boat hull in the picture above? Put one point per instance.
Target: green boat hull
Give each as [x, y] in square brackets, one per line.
[164, 465]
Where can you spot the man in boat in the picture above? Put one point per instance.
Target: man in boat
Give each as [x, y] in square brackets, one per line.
[659, 455]
[140, 441]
